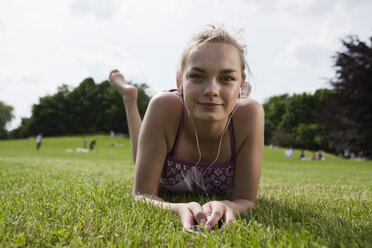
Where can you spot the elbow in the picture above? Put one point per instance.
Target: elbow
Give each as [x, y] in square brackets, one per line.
[138, 196]
[135, 194]
[251, 205]
[244, 205]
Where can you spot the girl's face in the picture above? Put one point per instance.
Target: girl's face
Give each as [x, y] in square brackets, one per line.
[211, 81]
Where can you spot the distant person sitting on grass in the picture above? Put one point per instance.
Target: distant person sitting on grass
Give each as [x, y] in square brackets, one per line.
[92, 144]
[302, 155]
[289, 152]
[320, 155]
[38, 141]
[205, 138]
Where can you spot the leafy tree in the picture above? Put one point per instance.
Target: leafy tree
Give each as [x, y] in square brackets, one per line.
[293, 120]
[21, 130]
[348, 114]
[282, 138]
[50, 115]
[5, 116]
[274, 108]
[86, 108]
[89, 108]
[306, 136]
[299, 109]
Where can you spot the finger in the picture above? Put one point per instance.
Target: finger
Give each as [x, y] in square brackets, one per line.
[217, 214]
[207, 209]
[198, 213]
[187, 219]
[229, 218]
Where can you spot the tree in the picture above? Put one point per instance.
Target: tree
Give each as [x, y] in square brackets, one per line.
[300, 109]
[348, 114]
[307, 136]
[293, 120]
[89, 108]
[5, 116]
[49, 117]
[21, 130]
[274, 108]
[283, 138]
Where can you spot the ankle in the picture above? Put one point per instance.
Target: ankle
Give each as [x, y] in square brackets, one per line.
[129, 100]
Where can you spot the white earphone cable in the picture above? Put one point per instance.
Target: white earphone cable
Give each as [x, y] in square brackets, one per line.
[198, 146]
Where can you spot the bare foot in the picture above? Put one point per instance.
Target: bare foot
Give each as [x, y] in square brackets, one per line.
[127, 91]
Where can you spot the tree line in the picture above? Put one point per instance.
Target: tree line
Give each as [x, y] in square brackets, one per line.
[329, 119]
[89, 108]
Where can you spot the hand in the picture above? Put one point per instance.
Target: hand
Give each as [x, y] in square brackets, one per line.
[189, 213]
[219, 210]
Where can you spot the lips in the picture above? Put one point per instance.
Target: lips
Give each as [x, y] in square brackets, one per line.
[210, 105]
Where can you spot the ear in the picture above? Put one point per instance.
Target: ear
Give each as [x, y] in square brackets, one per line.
[179, 81]
[242, 83]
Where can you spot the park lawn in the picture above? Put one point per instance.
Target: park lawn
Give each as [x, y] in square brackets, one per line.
[55, 197]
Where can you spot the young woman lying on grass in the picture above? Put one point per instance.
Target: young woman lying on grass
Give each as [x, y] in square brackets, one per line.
[205, 137]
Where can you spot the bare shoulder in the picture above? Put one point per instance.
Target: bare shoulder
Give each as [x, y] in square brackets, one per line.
[248, 119]
[249, 109]
[166, 104]
[163, 115]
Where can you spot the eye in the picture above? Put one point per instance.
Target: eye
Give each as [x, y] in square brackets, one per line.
[195, 77]
[227, 78]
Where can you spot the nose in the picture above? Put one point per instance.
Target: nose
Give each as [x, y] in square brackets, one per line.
[211, 87]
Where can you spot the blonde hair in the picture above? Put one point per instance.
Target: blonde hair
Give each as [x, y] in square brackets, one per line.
[213, 34]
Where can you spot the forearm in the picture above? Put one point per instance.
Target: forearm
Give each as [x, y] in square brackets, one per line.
[157, 201]
[240, 206]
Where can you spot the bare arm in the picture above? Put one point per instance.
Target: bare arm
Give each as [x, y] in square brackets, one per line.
[153, 148]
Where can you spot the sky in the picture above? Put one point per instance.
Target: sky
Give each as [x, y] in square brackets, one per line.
[290, 43]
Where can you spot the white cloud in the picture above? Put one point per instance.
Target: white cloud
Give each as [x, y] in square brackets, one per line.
[100, 9]
[32, 79]
[314, 49]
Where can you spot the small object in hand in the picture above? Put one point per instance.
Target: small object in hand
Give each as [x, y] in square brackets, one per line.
[195, 229]
[340, 222]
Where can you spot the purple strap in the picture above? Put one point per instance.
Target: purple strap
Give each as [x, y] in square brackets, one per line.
[179, 132]
[232, 139]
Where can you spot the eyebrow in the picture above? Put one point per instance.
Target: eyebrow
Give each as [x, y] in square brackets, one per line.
[223, 71]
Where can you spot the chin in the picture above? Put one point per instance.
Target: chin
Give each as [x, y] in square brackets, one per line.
[208, 117]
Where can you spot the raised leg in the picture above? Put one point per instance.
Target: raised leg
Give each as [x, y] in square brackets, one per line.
[129, 94]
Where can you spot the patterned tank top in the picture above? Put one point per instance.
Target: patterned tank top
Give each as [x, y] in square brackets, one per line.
[183, 176]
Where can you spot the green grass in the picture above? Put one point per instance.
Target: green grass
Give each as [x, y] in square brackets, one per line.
[57, 198]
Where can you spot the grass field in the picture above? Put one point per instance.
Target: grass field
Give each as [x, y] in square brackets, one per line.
[53, 197]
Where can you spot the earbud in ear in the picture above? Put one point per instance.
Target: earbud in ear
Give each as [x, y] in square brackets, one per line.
[180, 89]
[240, 92]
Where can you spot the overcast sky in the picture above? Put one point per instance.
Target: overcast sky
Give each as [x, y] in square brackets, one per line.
[44, 44]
